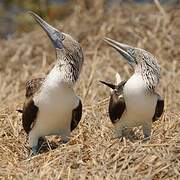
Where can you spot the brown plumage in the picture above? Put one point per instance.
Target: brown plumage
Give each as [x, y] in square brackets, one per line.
[29, 112]
[29, 115]
[159, 108]
[33, 86]
[117, 104]
[76, 116]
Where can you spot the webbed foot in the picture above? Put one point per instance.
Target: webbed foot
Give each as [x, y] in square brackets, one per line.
[147, 131]
[35, 150]
[146, 138]
[118, 134]
[64, 139]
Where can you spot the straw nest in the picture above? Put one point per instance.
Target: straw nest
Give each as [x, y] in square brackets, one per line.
[92, 152]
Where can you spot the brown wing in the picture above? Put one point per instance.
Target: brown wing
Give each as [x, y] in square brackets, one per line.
[116, 108]
[159, 108]
[33, 86]
[29, 112]
[76, 116]
[117, 105]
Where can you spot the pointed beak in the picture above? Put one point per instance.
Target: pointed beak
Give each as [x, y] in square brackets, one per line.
[121, 48]
[112, 86]
[56, 36]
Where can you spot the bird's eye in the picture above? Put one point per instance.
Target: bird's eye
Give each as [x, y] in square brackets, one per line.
[60, 35]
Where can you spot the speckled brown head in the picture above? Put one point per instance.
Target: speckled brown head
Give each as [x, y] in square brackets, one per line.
[141, 61]
[68, 51]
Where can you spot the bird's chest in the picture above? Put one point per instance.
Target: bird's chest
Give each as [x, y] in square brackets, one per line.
[137, 98]
[56, 101]
[55, 111]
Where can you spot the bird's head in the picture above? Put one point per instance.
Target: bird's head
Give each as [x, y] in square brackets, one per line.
[66, 47]
[140, 60]
[136, 57]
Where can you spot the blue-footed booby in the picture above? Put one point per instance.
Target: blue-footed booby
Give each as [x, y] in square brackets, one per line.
[51, 106]
[134, 102]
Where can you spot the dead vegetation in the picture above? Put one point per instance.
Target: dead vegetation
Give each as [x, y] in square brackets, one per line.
[92, 153]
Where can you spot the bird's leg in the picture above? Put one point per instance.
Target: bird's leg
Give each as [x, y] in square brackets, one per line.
[65, 140]
[65, 137]
[147, 130]
[34, 150]
[119, 127]
[34, 143]
[118, 132]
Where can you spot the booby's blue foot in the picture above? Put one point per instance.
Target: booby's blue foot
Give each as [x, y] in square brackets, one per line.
[119, 134]
[34, 150]
[64, 142]
[64, 139]
[147, 131]
[146, 138]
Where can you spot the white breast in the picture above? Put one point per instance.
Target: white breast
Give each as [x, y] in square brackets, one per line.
[55, 101]
[140, 103]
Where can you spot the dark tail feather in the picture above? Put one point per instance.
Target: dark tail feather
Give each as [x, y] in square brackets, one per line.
[19, 110]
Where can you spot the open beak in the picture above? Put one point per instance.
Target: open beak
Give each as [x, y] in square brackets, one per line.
[121, 48]
[56, 36]
[112, 86]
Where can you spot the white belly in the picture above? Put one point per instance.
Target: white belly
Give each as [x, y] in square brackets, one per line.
[53, 122]
[55, 113]
[55, 101]
[140, 103]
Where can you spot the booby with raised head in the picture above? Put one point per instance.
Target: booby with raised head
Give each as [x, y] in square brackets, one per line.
[134, 102]
[51, 106]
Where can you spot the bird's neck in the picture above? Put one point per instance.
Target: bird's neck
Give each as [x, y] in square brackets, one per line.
[149, 77]
[68, 67]
[150, 73]
[59, 76]
[135, 84]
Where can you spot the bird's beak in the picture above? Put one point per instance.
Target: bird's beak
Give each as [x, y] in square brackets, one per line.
[56, 36]
[112, 86]
[121, 48]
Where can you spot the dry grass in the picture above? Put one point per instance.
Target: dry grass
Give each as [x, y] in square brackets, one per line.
[92, 153]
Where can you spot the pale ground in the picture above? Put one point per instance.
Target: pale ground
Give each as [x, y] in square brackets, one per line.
[92, 153]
